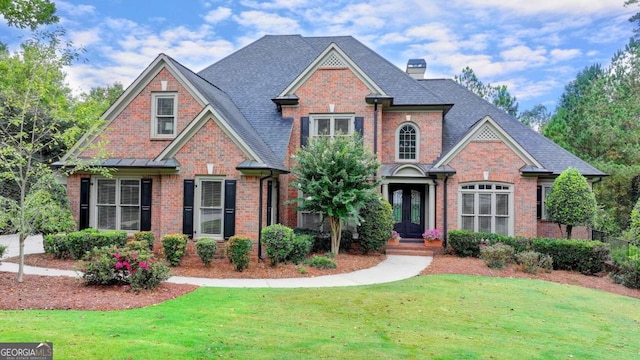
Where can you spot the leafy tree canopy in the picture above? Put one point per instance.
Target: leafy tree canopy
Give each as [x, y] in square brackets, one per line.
[28, 13]
[335, 176]
[497, 95]
[571, 201]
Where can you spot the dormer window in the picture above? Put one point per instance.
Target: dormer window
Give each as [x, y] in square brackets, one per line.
[407, 141]
[332, 125]
[164, 115]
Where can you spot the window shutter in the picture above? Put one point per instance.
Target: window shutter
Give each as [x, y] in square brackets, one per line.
[359, 125]
[539, 202]
[145, 205]
[304, 130]
[187, 208]
[85, 184]
[229, 208]
[269, 201]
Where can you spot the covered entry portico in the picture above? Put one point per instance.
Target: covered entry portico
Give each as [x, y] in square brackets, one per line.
[412, 197]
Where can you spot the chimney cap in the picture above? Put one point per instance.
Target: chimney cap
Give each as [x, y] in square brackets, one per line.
[416, 68]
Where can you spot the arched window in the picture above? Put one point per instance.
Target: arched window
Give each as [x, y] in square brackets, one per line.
[407, 143]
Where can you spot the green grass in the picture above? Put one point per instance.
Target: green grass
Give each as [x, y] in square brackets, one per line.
[428, 317]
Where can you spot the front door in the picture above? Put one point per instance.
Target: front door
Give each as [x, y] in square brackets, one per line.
[407, 201]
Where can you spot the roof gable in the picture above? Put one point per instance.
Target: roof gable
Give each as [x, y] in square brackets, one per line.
[487, 129]
[331, 58]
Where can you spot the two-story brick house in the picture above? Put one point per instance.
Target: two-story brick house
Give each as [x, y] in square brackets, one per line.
[208, 153]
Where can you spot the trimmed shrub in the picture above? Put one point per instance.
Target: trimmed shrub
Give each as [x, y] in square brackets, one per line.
[76, 244]
[278, 240]
[628, 273]
[239, 251]
[532, 261]
[376, 225]
[585, 256]
[2, 250]
[346, 240]
[302, 245]
[321, 262]
[175, 247]
[146, 236]
[116, 266]
[464, 243]
[497, 256]
[206, 250]
[137, 245]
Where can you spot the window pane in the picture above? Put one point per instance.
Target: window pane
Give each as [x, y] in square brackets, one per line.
[342, 126]
[211, 221]
[502, 226]
[415, 207]
[129, 192]
[468, 203]
[407, 143]
[130, 218]
[484, 224]
[485, 204]
[502, 204]
[211, 194]
[106, 217]
[397, 206]
[323, 126]
[107, 192]
[467, 223]
[310, 220]
[165, 106]
[165, 125]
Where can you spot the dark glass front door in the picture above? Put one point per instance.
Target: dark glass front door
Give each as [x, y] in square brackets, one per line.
[407, 202]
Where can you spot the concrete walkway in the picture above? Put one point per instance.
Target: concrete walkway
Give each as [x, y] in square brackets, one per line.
[394, 268]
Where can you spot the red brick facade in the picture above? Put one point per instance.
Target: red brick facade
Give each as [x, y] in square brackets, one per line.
[129, 136]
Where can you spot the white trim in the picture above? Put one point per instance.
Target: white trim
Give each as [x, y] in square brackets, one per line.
[154, 115]
[313, 126]
[93, 201]
[503, 135]
[331, 50]
[543, 198]
[198, 203]
[397, 142]
[493, 191]
[196, 124]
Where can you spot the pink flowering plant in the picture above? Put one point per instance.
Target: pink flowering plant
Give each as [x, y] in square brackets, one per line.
[135, 268]
[395, 235]
[432, 234]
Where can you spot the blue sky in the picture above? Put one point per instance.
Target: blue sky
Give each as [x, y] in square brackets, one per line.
[534, 47]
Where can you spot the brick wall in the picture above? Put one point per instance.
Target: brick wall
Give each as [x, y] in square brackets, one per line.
[429, 126]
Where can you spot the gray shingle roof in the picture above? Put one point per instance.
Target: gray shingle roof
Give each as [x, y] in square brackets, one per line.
[469, 108]
[242, 85]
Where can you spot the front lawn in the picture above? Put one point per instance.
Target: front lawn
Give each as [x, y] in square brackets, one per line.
[438, 316]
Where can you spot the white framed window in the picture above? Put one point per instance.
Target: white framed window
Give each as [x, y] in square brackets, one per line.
[407, 142]
[165, 108]
[486, 207]
[209, 214]
[332, 125]
[117, 204]
[311, 220]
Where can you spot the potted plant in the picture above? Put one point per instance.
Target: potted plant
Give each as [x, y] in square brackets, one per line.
[432, 237]
[395, 238]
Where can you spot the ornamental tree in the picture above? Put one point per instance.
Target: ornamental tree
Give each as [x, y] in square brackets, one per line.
[571, 201]
[335, 178]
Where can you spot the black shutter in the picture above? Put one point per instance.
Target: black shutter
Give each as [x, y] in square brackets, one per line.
[187, 208]
[269, 201]
[85, 184]
[145, 205]
[229, 208]
[359, 125]
[304, 130]
[539, 202]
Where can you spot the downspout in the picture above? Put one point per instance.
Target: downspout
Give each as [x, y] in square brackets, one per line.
[375, 126]
[262, 179]
[444, 226]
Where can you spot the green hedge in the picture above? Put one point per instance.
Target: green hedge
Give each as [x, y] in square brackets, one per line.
[585, 256]
[175, 247]
[278, 241]
[239, 251]
[76, 244]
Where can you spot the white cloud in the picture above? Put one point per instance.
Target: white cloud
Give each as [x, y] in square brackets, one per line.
[218, 14]
[86, 37]
[564, 54]
[526, 54]
[564, 7]
[74, 10]
[267, 22]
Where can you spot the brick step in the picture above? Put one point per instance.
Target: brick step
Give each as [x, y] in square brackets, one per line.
[423, 252]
